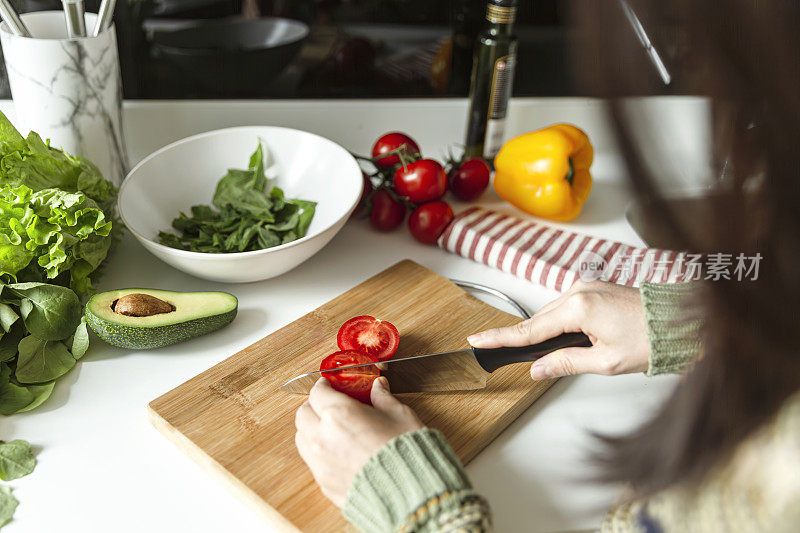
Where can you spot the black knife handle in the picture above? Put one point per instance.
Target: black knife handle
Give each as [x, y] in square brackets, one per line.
[493, 358]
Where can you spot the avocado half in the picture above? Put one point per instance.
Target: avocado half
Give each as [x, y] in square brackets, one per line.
[192, 314]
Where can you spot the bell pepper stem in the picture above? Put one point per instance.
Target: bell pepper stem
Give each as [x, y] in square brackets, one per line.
[571, 172]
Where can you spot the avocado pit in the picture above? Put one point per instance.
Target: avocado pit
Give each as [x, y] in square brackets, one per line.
[140, 304]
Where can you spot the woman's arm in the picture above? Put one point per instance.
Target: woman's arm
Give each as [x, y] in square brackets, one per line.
[389, 473]
[631, 330]
[415, 483]
[675, 334]
[383, 467]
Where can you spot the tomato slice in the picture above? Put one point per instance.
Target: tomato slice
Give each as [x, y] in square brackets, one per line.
[356, 382]
[367, 334]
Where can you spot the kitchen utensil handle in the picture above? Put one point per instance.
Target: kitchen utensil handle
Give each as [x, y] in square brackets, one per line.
[493, 358]
[74, 16]
[11, 18]
[104, 16]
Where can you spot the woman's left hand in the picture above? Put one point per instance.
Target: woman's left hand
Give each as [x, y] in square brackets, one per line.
[336, 434]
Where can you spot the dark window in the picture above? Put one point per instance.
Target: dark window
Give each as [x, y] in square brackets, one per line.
[324, 48]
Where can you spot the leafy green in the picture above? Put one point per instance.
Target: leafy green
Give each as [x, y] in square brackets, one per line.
[16, 397]
[41, 344]
[7, 317]
[40, 360]
[10, 341]
[80, 340]
[16, 459]
[35, 164]
[40, 392]
[56, 212]
[246, 217]
[61, 231]
[10, 139]
[8, 504]
[51, 312]
[305, 216]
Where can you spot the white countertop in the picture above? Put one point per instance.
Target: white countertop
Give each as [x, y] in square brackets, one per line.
[102, 466]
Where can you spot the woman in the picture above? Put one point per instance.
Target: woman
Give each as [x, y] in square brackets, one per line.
[722, 454]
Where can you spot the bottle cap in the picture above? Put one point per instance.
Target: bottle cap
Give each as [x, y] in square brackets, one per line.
[501, 11]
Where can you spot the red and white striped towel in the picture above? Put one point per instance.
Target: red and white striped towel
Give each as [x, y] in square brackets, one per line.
[555, 257]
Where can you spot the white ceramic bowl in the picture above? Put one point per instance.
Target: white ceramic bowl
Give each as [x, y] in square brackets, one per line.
[185, 173]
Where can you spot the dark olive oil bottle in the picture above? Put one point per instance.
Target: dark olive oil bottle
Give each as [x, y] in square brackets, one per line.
[492, 78]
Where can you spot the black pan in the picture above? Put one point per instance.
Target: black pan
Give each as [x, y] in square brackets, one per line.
[232, 57]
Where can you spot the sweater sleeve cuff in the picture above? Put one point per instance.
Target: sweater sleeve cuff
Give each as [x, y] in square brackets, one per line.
[674, 332]
[397, 482]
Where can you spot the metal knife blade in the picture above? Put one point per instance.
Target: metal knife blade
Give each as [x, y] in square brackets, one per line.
[437, 372]
[450, 371]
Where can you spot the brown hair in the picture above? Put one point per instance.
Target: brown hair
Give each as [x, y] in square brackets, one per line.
[745, 56]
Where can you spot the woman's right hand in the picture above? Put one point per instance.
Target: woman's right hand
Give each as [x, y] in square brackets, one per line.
[611, 316]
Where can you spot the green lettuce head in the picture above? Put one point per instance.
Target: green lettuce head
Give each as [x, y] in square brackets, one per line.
[50, 233]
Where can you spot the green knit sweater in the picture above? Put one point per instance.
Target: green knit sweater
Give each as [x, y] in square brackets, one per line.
[416, 483]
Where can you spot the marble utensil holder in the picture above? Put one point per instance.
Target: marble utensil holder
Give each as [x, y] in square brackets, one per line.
[68, 90]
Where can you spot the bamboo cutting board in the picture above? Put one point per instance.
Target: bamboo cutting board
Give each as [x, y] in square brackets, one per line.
[233, 420]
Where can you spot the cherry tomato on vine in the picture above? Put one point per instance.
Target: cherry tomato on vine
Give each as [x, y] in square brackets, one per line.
[356, 382]
[428, 221]
[367, 334]
[469, 179]
[389, 142]
[387, 211]
[420, 181]
[366, 189]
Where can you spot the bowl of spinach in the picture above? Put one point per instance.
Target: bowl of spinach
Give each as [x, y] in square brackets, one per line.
[240, 204]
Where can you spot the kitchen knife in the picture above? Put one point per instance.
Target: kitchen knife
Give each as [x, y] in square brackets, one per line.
[466, 369]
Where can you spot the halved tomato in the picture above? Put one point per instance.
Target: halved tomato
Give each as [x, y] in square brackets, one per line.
[355, 382]
[367, 334]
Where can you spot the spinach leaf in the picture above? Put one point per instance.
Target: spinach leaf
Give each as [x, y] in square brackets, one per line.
[16, 397]
[306, 215]
[80, 340]
[10, 341]
[243, 191]
[16, 459]
[50, 312]
[256, 166]
[40, 393]
[246, 217]
[7, 316]
[8, 504]
[267, 238]
[40, 360]
[171, 240]
[13, 397]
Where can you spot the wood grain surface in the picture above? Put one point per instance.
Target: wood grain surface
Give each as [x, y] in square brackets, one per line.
[234, 420]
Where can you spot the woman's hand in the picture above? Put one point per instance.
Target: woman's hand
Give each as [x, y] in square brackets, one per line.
[611, 315]
[336, 434]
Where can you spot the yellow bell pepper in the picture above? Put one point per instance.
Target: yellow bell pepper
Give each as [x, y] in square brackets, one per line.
[546, 172]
